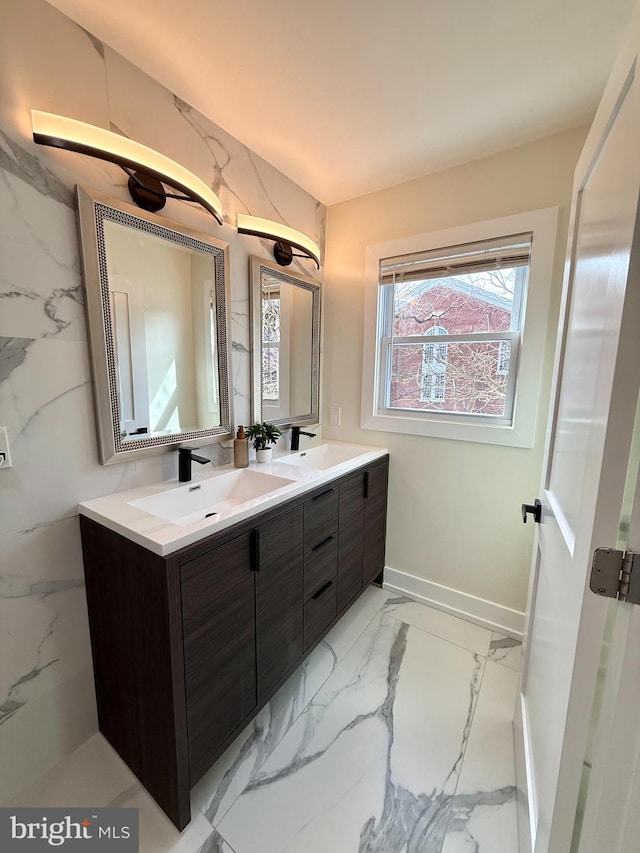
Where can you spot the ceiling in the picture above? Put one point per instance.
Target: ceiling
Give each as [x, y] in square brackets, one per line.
[349, 96]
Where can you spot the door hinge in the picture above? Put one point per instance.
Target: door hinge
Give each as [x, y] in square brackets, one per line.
[614, 574]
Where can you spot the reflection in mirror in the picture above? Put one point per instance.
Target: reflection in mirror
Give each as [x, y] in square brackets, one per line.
[286, 345]
[162, 302]
[156, 303]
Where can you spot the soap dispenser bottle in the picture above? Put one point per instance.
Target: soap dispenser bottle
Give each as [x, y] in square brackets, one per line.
[241, 449]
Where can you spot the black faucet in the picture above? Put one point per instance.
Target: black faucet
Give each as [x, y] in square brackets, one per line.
[296, 432]
[185, 457]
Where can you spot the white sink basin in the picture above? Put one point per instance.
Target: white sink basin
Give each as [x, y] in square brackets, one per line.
[210, 498]
[323, 456]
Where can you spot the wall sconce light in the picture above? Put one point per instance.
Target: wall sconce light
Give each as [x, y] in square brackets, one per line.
[286, 239]
[147, 169]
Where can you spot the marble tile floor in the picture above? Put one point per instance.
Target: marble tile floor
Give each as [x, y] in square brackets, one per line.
[395, 736]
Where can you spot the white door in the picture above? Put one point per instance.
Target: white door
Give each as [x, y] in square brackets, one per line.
[597, 377]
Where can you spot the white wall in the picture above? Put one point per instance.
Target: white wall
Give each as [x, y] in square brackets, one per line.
[454, 507]
[47, 704]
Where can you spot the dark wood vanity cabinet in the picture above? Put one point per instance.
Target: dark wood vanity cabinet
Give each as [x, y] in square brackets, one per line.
[219, 637]
[320, 562]
[188, 647]
[375, 520]
[351, 538]
[242, 627]
[279, 586]
[362, 532]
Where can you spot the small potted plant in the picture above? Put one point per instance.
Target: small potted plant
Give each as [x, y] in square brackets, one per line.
[262, 436]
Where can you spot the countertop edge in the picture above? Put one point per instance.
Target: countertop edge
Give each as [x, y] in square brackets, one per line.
[164, 538]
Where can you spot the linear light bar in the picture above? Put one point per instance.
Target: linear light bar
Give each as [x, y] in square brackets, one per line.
[281, 234]
[61, 132]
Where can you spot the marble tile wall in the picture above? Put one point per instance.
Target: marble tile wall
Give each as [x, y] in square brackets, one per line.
[47, 62]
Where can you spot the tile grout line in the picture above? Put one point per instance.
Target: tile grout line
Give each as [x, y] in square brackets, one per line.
[438, 636]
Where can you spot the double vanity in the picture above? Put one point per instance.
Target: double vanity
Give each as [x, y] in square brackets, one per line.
[204, 597]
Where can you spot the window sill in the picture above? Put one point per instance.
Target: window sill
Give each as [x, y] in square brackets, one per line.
[455, 430]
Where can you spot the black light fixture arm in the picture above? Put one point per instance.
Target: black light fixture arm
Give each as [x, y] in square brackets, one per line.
[285, 239]
[149, 193]
[138, 178]
[284, 254]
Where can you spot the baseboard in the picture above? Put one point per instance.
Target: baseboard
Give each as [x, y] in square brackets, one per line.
[488, 614]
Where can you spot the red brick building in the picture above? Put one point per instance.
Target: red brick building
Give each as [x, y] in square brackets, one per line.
[453, 376]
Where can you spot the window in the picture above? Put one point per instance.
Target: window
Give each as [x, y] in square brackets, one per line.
[471, 287]
[271, 345]
[434, 368]
[479, 288]
[504, 355]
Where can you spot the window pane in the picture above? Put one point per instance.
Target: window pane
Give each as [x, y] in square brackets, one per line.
[467, 377]
[464, 304]
[271, 320]
[271, 346]
[270, 373]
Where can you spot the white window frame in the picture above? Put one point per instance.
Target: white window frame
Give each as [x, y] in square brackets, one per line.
[519, 431]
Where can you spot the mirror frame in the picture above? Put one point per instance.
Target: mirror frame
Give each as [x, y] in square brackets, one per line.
[311, 284]
[93, 209]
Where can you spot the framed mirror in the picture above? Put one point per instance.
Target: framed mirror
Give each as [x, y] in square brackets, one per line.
[285, 330]
[157, 314]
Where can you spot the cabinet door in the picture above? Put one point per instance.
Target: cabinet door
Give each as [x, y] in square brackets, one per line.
[350, 539]
[278, 598]
[375, 520]
[218, 609]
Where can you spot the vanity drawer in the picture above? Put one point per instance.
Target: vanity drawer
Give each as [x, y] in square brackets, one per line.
[320, 611]
[320, 517]
[320, 564]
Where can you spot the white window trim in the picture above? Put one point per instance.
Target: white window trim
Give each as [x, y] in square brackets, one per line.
[521, 431]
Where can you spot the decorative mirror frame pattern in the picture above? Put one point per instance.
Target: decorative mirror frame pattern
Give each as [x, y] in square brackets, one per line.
[311, 284]
[93, 209]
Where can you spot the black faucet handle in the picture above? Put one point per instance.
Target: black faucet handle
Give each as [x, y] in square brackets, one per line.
[187, 453]
[185, 457]
[296, 432]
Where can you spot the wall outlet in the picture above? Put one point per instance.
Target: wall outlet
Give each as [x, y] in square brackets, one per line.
[334, 415]
[5, 450]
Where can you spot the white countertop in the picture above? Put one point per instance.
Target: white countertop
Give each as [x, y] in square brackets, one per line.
[164, 537]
